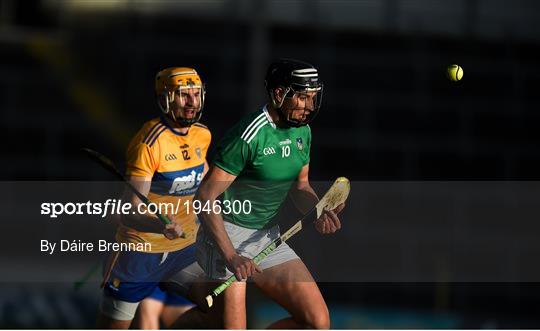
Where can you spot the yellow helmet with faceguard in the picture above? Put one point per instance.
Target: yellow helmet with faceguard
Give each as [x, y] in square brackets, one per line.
[169, 81]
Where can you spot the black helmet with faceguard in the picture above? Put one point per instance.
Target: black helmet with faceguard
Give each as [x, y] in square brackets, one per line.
[294, 77]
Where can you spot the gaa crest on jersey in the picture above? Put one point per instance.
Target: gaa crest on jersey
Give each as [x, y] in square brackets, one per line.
[198, 152]
[269, 151]
[299, 144]
[170, 157]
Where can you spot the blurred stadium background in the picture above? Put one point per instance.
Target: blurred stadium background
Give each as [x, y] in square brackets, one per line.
[80, 73]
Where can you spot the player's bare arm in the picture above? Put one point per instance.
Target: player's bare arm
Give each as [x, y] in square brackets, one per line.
[213, 185]
[147, 222]
[302, 194]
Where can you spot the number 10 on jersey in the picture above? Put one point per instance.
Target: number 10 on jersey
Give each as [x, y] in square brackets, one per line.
[285, 151]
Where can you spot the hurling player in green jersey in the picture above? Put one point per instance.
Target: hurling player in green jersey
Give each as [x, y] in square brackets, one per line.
[260, 161]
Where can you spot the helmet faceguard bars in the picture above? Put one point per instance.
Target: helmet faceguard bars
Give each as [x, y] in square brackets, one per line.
[294, 77]
[170, 80]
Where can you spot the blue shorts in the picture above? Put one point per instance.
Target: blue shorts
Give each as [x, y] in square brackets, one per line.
[136, 275]
[169, 298]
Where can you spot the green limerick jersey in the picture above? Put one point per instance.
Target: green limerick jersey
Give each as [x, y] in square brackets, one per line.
[266, 161]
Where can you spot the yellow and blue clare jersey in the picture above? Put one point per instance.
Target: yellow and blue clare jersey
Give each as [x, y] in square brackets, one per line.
[174, 162]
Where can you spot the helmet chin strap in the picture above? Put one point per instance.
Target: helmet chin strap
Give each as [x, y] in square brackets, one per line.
[165, 109]
[169, 97]
[174, 118]
[284, 118]
[278, 105]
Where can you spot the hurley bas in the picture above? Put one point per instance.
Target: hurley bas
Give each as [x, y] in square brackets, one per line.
[101, 246]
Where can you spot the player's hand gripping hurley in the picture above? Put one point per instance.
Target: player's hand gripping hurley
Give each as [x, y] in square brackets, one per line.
[335, 196]
[109, 165]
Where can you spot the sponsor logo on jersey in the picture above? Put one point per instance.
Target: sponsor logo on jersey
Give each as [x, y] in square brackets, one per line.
[183, 182]
[184, 146]
[299, 144]
[269, 151]
[170, 157]
[186, 183]
[285, 142]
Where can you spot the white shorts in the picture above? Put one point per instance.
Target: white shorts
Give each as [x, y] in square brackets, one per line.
[247, 242]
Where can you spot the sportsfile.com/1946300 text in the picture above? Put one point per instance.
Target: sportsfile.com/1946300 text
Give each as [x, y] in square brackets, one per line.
[118, 207]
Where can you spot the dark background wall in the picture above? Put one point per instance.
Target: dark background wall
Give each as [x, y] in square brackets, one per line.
[75, 74]
[80, 73]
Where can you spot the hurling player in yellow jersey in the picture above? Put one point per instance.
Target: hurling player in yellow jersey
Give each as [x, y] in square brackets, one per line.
[166, 161]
